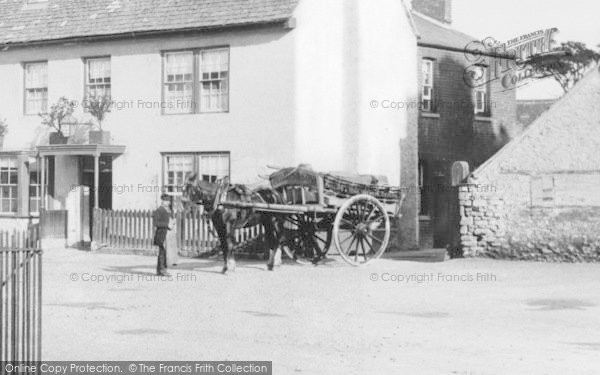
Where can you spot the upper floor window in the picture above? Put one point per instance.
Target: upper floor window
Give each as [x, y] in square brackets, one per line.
[427, 89]
[36, 88]
[196, 81]
[208, 166]
[214, 78]
[97, 77]
[179, 82]
[481, 92]
[9, 184]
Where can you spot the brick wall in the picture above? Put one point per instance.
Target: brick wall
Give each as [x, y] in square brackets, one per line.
[453, 132]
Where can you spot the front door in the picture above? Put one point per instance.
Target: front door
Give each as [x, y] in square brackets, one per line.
[446, 217]
[104, 188]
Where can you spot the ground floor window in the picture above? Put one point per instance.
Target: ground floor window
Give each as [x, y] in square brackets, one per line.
[209, 166]
[35, 186]
[9, 184]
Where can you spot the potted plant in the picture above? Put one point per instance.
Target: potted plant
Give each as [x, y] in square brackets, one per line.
[98, 106]
[58, 112]
[3, 131]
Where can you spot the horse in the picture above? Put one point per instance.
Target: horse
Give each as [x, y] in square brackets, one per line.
[226, 220]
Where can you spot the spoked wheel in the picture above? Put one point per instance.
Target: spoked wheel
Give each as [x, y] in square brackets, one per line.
[306, 238]
[361, 230]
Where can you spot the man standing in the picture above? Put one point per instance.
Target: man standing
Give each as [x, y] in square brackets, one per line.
[161, 218]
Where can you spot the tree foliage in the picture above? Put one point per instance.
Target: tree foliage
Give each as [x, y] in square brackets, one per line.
[98, 106]
[568, 67]
[57, 113]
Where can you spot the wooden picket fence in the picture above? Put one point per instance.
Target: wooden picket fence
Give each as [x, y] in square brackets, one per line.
[21, 239]
[134, 230]
[123, 229]
[20, 295]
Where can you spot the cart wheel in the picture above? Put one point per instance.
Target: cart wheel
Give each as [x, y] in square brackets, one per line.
[361, 230]
[305, 237]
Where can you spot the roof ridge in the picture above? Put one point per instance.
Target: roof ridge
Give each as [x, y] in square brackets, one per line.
[537, 123]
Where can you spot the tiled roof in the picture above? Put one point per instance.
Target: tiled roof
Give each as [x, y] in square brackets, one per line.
[63, 19]
[435, 33]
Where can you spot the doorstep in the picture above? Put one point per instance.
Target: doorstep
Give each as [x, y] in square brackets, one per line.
[424, 255]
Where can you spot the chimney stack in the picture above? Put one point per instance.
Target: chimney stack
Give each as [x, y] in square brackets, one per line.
[440, 10]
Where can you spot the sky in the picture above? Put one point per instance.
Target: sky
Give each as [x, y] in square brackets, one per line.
[576, 20]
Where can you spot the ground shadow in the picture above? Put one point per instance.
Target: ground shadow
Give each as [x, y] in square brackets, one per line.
[87, 305]
[587, 345]
[262, 314]
[556, 304]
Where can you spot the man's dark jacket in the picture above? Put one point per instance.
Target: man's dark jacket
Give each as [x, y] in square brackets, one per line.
[161, 219]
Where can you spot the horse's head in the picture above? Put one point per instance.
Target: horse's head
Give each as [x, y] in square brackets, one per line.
[197, 191]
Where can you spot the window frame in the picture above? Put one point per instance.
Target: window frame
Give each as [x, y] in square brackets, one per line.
[430, 97]
[196, 155]
[38, 186]
[24, 65]
[485, 90]
[201, 81]
[11, 186]
[86, 70]
[196, 80]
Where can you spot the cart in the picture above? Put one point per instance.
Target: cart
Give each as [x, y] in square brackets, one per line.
[318, 210]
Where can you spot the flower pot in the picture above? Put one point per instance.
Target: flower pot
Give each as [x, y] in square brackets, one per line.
[99, 137]
[57, 139]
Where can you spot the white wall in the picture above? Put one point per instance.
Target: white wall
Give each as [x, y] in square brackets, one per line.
[296, 96]
[348, 53]
[319, 38]
[257, 131]
[66, 181]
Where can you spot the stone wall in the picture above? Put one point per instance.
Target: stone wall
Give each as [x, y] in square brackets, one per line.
[497, 223]
[482, 219]
[539, 197]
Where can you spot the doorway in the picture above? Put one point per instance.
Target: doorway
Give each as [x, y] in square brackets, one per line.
[446, 217]
[104, 186]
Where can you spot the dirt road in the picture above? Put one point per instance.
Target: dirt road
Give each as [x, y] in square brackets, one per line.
[392, 317]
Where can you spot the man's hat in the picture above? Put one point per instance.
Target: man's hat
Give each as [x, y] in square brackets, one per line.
[165, 197]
